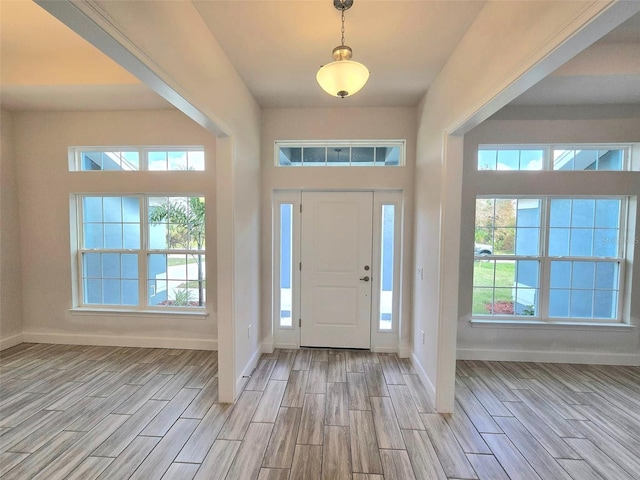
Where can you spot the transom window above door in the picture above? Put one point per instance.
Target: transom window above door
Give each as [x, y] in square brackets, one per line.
[349, 153]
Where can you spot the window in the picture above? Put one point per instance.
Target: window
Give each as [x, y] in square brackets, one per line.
[549, 257]
[141, 247]
[553, 157]
[340, 154]
[286, 264]
[387, 263]
[136, 158]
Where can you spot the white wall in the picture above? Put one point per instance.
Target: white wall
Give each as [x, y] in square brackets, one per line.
[509, 47]
[335, 124]
[10, 276]
[45, 185]
[523, 125]
[179, 58]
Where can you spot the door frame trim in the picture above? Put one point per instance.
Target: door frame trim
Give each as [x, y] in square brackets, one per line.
[380, 341]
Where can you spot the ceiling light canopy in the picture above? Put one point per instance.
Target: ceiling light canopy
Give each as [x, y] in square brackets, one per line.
[344, 76]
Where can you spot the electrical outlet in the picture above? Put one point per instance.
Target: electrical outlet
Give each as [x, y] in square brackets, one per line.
[422, 336]
[420, 273]
[249, 332]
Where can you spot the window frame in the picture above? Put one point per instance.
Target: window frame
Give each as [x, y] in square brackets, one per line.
[548, 148]
[75, 156]
[278, 144]
[545, 260]
[143, 254]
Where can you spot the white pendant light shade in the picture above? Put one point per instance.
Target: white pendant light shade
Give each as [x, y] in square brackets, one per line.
[342, 77]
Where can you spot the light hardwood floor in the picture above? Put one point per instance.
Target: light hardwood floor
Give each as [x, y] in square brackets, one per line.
[74, 412]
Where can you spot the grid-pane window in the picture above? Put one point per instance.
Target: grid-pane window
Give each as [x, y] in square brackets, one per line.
[137, 158]
[343, 154]
[142, 251]
[507, 246]
[579, 264]
[553, 157]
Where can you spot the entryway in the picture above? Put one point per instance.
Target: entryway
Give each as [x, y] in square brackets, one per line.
[337, 260]
[336, 269]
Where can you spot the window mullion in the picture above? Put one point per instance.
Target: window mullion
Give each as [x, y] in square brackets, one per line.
[143, 281]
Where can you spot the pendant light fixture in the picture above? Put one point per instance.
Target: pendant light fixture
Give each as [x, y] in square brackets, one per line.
[342, 77]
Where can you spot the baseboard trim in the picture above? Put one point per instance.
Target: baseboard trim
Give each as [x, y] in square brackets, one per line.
[266, 347]
[384, 349]
[121, 341]
[594, 358]
[247, 371]
[426, 381]
[11, 341]
[285, 346]
[404, 351]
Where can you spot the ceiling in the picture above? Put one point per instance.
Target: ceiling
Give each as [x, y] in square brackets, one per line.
[46, 66]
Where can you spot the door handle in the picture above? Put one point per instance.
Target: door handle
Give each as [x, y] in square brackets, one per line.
[365, 279]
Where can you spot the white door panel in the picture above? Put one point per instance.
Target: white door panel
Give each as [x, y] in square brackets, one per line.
[336, 247]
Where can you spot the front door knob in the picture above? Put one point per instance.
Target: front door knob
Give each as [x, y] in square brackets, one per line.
[365, 279]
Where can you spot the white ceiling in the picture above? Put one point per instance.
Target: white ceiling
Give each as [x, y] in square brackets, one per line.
[278, 46]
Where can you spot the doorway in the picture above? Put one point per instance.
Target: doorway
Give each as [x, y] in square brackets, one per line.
[335, 278]
[336, 269]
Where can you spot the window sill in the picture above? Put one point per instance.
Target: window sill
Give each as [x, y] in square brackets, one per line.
[550, 325]
[84, 311]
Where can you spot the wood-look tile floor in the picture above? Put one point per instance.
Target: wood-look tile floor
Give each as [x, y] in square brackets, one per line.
[73, 412]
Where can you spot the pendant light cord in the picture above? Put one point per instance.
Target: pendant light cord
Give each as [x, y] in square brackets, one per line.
[342, 30]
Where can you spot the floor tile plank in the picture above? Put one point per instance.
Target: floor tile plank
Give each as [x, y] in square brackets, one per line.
[336, 460]
[282, 444]
[246, 464]
[396, 465]
[365, 453]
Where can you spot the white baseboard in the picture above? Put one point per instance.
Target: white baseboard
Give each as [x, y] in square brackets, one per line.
[11, 341]
[426, 381]
[404, 351]
[121, 341]
[246, 372]
[593, 358]
[266, 347]
[384, 349]
[285, 346]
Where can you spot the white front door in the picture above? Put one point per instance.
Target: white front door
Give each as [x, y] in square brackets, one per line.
[336, 269]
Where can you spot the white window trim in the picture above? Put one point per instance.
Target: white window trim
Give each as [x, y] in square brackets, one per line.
[545, 268]
[381, 340]
[547, 165]
[278, 144]
[75, 155]
[143, 252]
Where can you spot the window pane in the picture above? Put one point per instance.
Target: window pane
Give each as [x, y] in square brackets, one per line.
[92, 209]
[508, 160]
[176, 280]
[558, 242]
[388, 156]
[386, 267]
[338, 156]
[113, 235]
[583, 275]
[607, 213]
[103, 282]
[606, 304]
[588, 159]
[177, 160]
[581, 242]
[314, 156]
[157, 160]
[195, 160]
[607, 275]
[560, 274]
[289, 156]
[93, 235]
[581, 304]
[583, 213]
[363, 156]
[560, 212]
[286, 267]
[487, 159]
[559, 303]
[610, 159]
[531, 159]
